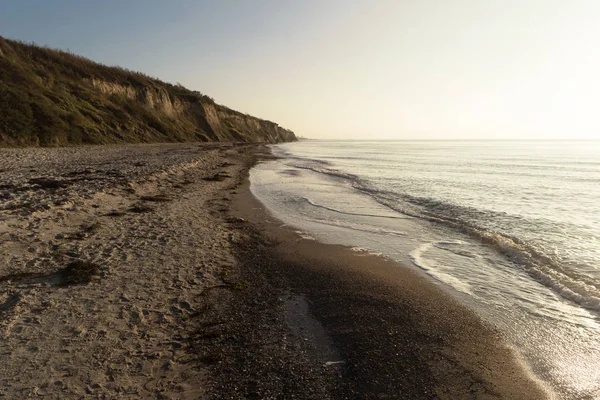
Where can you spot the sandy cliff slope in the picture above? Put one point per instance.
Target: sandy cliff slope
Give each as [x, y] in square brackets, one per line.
[54, 98]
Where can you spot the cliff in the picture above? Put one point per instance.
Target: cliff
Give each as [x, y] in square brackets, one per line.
[54, 98]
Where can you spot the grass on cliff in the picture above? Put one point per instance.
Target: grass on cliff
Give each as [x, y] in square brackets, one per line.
[47, 98]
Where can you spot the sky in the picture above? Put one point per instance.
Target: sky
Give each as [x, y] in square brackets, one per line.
[353, 69]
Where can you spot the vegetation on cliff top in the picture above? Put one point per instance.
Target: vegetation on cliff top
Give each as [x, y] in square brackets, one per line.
[51, 97]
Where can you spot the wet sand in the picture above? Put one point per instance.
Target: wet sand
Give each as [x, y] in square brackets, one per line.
[378, 329]
[151, 272]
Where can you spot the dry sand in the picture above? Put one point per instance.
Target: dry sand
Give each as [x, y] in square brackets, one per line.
[147, 218]
[149, 271]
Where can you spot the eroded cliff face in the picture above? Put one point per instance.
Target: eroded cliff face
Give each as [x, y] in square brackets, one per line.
[212, 122]
[54, 98]
[155, 98]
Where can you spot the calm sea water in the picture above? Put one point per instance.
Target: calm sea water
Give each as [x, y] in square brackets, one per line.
[510, 228]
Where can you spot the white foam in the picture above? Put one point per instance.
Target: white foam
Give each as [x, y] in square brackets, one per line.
[305, 235]
[364, 250]
[435, 270]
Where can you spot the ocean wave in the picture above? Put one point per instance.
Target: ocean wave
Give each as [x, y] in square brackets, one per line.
[430, 267]
[312, 203]
[543, 268]
[359, 227]
[326, 171]
[455, 247]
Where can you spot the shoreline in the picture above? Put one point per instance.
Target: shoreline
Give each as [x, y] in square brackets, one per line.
[394, 331]
[194, 291]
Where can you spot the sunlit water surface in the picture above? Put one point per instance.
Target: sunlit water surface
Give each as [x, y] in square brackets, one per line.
[511, 228]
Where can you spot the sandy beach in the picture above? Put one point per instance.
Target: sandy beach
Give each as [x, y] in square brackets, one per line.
[150, 271]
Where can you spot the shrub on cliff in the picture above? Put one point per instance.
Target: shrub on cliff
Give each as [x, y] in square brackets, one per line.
[47, 98]
[52, 98]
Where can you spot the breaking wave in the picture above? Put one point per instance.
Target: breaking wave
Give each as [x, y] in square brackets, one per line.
[544, 268]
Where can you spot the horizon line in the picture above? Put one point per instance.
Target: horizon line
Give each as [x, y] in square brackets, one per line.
[301, 138]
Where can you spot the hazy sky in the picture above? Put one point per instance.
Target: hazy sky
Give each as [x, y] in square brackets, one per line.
[353, 69]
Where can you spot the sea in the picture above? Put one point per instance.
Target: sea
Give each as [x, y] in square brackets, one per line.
[510, 228]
